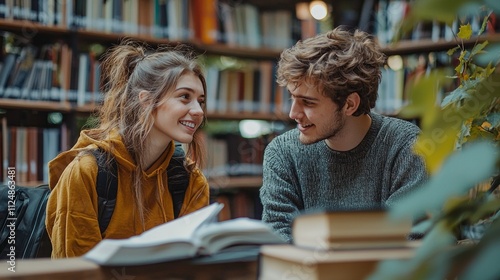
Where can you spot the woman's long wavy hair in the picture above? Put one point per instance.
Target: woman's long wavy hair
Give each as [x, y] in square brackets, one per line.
[128, 69]
[338, 62]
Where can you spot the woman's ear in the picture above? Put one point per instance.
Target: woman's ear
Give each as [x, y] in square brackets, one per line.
[352, 103]
[144, 96]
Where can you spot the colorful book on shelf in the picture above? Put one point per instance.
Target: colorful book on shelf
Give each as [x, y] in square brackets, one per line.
[350, 229]
[205, 13]
[189, 236]
[286, 261]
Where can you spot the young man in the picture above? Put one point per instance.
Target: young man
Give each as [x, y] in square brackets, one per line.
[341, 155]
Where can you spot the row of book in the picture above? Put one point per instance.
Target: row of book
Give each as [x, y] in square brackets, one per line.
[28, 150]
[233, 155]
[45, 73]
[393, 90]
[36, 73]
[239, 203]
[250, 88]
[46, 12]
[235, 23]
[49, 73]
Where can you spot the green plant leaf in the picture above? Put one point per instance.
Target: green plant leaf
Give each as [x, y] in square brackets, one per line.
[464, 133]
[485, 210]
[455, 96]
[422, 97]
[494, 119]
[443, 10]
[478, 133]
[487, 93]
[485, 261]
[484, 24]
[478, 48]
[438, 238]
[459, 173]
[491, 54]
[431, 260]
[453, 50]
[465, 32]
[435, 145]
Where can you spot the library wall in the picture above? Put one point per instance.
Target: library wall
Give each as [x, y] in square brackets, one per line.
[50, 72]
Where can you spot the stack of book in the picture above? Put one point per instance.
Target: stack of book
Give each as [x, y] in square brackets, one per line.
[337, 245]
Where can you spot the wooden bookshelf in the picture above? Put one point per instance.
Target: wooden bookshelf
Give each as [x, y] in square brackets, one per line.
[221, 183]
[32, 28]
[248, 115]
[35, 105]
[243, 52]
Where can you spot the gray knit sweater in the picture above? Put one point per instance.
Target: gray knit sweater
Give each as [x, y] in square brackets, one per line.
[381, 169]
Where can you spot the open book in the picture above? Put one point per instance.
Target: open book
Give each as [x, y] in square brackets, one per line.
[192, 235]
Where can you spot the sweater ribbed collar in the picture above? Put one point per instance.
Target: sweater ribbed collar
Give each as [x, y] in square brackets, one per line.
[362, 149]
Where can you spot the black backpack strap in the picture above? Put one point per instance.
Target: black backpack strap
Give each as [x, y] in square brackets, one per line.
[177, 178]
[107, 187]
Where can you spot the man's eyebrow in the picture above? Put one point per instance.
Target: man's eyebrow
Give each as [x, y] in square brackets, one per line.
[303, 97]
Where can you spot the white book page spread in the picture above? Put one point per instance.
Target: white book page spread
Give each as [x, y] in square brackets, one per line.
[168, 241]
[180, 229]
[216, 236]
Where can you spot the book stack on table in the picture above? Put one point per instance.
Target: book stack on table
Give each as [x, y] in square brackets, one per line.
[337, 244]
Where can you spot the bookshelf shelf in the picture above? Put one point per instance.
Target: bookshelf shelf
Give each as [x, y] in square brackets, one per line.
[249, 115]
[243, 52]
[428, 45]
[221, 183]
[85, 109]
[31, 28]
[114, 38]
[35, 105]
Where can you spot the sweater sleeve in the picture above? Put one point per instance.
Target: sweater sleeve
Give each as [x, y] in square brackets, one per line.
[71, 220]
[279, 194]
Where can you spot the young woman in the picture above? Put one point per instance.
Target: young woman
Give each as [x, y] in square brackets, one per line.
[151, 100]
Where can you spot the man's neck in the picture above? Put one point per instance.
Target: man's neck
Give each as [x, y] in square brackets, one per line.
[352, 134]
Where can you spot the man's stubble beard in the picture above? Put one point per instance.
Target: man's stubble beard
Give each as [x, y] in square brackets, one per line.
[331, 132]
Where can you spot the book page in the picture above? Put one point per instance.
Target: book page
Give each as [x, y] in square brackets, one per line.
[182, 228]
[216, 236]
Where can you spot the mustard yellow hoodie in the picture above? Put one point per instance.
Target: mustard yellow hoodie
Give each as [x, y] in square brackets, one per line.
[72, 206]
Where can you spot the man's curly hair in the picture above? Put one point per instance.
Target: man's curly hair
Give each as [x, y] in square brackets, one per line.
[338, 62]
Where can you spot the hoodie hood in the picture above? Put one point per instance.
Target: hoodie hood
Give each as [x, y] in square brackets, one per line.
[113, 145]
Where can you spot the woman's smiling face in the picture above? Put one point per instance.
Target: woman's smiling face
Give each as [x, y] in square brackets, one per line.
[181, 112]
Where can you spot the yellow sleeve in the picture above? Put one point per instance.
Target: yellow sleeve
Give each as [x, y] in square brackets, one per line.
[71, 221]
[197, 194]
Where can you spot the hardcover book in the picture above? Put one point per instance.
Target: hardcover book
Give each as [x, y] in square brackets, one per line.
[350, 229]
[286, 261]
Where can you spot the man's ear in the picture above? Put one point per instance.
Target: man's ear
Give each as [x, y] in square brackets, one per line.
[352, 103]
[144, 96]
